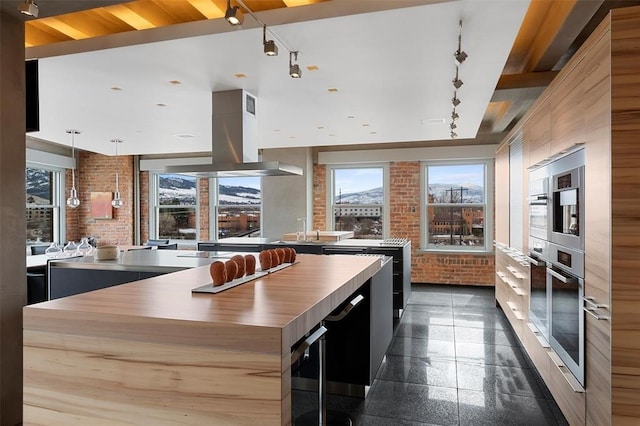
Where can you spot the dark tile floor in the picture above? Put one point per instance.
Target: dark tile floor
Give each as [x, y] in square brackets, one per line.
[453, 361]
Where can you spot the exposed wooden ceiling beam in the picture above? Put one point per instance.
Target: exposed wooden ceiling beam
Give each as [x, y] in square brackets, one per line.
[525, 80]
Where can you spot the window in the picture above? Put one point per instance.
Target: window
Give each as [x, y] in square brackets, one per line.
[43, 194]
[457, 214]
[176, 207]
[238, 203]
[357, 200]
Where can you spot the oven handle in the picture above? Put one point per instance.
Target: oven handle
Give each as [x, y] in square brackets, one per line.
[533, 261]
[562, 278]
[538, 198]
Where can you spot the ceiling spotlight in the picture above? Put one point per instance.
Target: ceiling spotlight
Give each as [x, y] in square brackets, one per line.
[270, 47]
[460, 56]
[233, 15]
[453, 135]
[453, 126]
[454, 115]
[294, 69]
[457, 83]
[455, 101]
[29, 7]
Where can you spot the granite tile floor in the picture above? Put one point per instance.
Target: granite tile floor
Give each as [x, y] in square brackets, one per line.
[454, 360]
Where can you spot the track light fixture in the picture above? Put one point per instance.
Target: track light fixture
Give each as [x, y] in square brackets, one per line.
[29, 7]
[294, 69]
[453, 135]
[457, 83]
[233, 15]
[460, 55]
[270, 47]
[453, 125]
[454, 115]
[455, 101]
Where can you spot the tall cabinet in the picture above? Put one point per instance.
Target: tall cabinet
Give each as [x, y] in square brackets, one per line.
[595, 102]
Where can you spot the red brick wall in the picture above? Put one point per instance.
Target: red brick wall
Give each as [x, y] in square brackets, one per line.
[404, 207]
[203, 197]
[96, 173]
[144, 207]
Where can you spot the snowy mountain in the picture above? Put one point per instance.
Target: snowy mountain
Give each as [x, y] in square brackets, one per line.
[181, 190]
[370, 196]
[38, 185]
[443, 192]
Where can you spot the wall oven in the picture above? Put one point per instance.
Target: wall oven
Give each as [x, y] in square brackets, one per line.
[567, 201]
[565, 283]
[538, 301]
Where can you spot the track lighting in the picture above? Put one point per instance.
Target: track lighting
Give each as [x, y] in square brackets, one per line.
[73, 201]
[454, 115]
[453, 125]
[294, 69]
[460, 55]
[29, 7]
[233, 15]
[455, 101]
[457, 83]
[453, 135]
[270, 47]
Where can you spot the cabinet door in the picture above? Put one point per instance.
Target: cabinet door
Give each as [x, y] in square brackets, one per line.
[537, 135]
[502, 195]
[567, 111]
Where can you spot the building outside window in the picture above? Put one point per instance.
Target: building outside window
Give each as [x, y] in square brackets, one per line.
[176, 207]
[357, 199]
[237, 206]
[43, 194]
[457, 214]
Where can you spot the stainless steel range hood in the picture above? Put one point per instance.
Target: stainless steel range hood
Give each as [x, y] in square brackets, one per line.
[234, 149]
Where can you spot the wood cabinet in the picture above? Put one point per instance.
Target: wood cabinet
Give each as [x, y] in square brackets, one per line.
[595, 101]
[512, 285]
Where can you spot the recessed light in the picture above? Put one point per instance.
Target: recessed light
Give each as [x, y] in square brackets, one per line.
[351, 117]
[432, 121]
[313, 68]
[175, 82]
[320, 127]
[276, 130]
[185, 136]
[161, 105]
[373, 133]
[116, 88]
[331, 134]
[240, 75]
[365, 125]
[332, 89]
[292, 137]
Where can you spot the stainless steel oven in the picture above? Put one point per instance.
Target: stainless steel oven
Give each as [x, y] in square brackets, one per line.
[538, 199]
[565, 272]
[539, 301]
[567, 204]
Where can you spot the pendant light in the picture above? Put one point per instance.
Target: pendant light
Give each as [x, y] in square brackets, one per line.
[117, 201]
[73, 201]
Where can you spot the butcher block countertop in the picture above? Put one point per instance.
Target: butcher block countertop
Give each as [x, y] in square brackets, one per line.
[153, 352]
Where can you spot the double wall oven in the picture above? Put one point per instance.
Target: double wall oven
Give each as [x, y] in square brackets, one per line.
[556, 249]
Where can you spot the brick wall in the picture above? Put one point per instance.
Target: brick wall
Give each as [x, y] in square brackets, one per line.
[144, 207]
[203, 197]
[404, 206]
[96, 173]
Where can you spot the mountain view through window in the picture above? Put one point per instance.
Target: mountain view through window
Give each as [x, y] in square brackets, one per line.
[358, 200]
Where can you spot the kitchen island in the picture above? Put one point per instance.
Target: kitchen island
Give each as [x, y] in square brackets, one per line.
[151, 352]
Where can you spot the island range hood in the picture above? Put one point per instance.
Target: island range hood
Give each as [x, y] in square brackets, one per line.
[234, 149]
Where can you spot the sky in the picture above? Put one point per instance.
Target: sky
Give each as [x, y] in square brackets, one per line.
[357, 179]
[459, 174]
[249, 182]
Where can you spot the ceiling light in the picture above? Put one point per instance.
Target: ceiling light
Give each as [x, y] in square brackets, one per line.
[29, 7]
[175, 82]
[270, 47]
[454, 115]
[460, 56]
[457, 83]
[313, 68]
[455, 101]
[73, 201]
[233, 15]
[117, 201]
[453, 125]
[294, 69]
[453, 135]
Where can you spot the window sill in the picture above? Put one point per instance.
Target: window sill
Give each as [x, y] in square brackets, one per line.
[480, 252]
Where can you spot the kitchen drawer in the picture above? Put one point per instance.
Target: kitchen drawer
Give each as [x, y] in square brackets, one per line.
[569, 397]
[535, 349]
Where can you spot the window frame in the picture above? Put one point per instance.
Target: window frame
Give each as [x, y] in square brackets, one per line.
[154, 219]
[214, 206]
[58, 200]
[330, 217]
[487, 248]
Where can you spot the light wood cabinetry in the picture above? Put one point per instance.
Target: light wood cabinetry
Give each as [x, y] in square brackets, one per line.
[595, 101]
[512, 285]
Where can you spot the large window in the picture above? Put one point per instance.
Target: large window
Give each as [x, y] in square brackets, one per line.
[176, 207]
[457, 216]
[42, 204]
[357, 200]
[238, 202]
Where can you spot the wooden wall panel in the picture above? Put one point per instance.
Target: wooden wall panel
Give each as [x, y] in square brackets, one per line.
[537, 135]
[502, 195]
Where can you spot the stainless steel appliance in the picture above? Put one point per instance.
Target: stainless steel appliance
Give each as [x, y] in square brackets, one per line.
[565, 282]
[539, 203]
[567, 206]
[539, 302]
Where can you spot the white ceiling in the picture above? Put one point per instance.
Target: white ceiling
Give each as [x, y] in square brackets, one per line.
[393, 71]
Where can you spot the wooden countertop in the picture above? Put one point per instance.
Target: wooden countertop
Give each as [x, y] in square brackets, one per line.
[290, 302]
